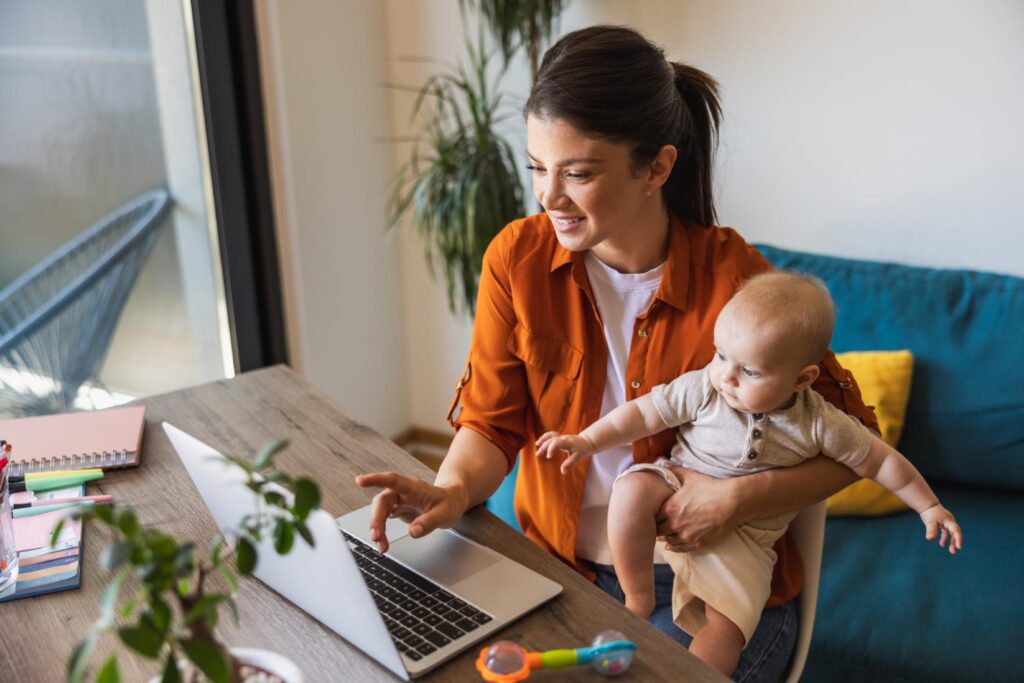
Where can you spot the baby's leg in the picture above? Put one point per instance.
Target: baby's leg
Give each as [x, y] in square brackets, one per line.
[632, 530]
[719, 643]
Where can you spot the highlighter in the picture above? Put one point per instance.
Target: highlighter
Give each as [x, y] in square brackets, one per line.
[49, 483]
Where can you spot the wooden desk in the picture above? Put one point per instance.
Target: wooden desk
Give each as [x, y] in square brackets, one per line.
[237, 416]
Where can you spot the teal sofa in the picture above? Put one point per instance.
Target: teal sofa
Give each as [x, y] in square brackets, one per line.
[892, 607]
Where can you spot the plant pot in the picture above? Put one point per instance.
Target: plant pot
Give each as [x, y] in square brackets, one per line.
[267, 661]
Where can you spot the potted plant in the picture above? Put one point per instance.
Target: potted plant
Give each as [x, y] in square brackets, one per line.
[461, 183]
[166, 596]
[519, 23]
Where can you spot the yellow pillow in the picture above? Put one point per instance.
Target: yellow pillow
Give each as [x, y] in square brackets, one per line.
[884, 380]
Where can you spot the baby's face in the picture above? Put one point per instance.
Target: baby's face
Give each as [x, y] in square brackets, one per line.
[754, 370]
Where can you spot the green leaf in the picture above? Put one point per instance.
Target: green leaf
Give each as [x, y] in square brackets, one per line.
[116, 554]
[56, 532]
[159, 614]
[307, 497]
[284, 536]
[245, 556]
[127, 522]
[265, 457]
[108, 601]
[205, 608]
[171, 674]
[306, 534]
[163, 546]
[109, 673]
[104, 513]
[184, 560]
[241, 462]
[208, 657]
[79, 658]
[230, 602]
[143, 639]
[228, 576]
[275, 498]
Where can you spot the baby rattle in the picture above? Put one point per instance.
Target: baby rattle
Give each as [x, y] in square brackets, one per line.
[506, 662]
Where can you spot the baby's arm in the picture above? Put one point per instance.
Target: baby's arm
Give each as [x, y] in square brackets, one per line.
[625, 424]
[892, 470]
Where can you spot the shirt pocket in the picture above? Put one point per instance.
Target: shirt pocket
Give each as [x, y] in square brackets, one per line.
[552, 373]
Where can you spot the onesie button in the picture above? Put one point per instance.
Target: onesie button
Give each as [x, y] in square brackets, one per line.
[758, 416]
[752, 454]
[757, 433]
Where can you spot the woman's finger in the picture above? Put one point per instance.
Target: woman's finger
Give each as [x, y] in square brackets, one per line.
[380, 509]
[387, 480]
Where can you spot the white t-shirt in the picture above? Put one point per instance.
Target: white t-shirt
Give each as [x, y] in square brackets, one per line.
[620, 298]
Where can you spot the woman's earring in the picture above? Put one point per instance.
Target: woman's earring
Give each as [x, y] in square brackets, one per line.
[648, 193]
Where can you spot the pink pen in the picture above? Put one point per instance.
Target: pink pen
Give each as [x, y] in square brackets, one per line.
[39, 502]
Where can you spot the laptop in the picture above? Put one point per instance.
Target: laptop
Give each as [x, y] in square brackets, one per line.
[412, 609]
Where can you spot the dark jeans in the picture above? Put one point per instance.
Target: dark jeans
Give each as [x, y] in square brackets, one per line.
[765, 657]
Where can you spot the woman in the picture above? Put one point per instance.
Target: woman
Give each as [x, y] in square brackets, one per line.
[611, 291]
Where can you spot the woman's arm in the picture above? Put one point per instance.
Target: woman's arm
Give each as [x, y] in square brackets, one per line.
[471, 471]
[705, 509]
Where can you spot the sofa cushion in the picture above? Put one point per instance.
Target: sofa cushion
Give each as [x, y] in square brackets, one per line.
[893, 607]
[965, 417]
[884, 380]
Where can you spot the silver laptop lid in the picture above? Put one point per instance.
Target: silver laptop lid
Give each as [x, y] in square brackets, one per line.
[324, 581]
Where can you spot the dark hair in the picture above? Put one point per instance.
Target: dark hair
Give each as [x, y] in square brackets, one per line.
[611, 82]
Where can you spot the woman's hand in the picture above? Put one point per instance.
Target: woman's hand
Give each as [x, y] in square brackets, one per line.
[699, 514]
[424, 506]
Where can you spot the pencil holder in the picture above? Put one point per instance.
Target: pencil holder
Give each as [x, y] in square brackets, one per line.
[8, 552]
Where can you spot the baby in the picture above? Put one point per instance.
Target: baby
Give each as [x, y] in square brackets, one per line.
[751, 408]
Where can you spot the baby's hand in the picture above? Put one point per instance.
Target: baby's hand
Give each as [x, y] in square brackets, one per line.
[578, 447]
[939, 520]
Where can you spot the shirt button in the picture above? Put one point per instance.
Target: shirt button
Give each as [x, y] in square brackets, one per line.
[752, 454]
[635, 384]
[757, 433]
[642, 333]
[758, 416]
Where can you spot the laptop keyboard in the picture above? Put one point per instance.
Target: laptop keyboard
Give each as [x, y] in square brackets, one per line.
[420, 615]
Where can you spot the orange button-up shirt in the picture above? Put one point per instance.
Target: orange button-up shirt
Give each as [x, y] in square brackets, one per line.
[538, 361]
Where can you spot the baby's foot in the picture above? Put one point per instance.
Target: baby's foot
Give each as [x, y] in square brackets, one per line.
[640, 604]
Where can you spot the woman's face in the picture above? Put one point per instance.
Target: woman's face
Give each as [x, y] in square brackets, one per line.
[586, 186]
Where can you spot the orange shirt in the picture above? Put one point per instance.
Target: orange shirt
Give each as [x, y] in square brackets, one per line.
[538, 362]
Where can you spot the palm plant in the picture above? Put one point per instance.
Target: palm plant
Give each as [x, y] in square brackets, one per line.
[518, 23]
[461, 181]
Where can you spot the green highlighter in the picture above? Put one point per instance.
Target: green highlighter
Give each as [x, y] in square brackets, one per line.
[50, 483]
[43, 509]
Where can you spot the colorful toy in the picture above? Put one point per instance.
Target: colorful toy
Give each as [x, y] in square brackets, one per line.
[506, 662]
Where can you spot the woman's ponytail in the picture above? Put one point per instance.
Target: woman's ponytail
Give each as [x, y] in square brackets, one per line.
[689, 191]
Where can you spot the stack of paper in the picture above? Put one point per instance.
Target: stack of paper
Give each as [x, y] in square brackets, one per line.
[42, 568]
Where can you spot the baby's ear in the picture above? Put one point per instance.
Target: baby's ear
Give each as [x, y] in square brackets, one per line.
[807, 375]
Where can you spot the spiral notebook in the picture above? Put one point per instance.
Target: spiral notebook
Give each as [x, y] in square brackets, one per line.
[103, 438]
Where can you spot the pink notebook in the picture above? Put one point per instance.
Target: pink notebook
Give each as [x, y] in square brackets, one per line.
[103, 438]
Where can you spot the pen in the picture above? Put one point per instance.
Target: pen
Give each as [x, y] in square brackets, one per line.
[48, 483]
[43, 509]
[53, 501]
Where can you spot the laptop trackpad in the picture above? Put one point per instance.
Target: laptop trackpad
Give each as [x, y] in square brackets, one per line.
[442, 556]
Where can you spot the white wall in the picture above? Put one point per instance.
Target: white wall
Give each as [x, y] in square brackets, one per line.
[876, 130]
[326, 117]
